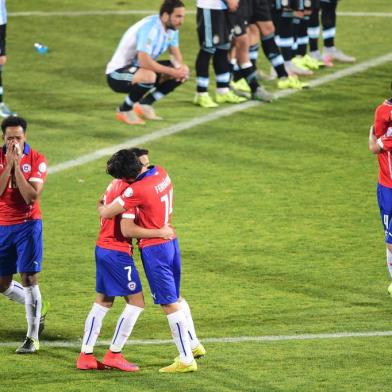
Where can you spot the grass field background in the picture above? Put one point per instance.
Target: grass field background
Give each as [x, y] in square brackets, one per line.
[275, 211]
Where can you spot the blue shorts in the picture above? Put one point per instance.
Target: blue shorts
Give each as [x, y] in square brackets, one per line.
[384, 197]
[21, 247]
[162, 265]
[116, 273]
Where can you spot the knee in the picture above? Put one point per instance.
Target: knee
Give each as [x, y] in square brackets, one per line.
[3, 60]
[29, 279]
[146, 76]
[267, 28]
[389, 247]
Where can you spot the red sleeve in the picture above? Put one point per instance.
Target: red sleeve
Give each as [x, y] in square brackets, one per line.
[382, 120]
[130, 198]
[39, 169]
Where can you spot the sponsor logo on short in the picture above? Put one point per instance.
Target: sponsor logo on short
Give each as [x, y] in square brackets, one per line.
[132, 286]
[215, 39]
[26, 168]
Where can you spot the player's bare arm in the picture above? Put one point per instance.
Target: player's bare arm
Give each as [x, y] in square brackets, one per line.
[130, 229]
[10, 156]
[110, 210]
[147, 62]
[29, 191]
[374, 147]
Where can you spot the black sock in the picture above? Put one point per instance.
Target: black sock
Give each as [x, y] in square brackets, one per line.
[202, 65]
[249, 74]
[273, 54]
[161, 91]
[136, 93]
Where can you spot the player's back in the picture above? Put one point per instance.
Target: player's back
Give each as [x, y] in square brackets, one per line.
[152, 195]
[110, 236]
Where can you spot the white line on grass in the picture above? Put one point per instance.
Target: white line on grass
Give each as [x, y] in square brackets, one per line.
[148, 12]
[239, 339]
[228, 111]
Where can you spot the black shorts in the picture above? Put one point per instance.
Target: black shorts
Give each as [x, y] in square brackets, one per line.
[294, 5]
[261, 11]
[3, 33]
[312, 4]
[239, 19]
[120, 80]
[213, 27]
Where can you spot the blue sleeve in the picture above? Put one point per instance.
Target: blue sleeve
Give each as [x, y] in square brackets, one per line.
[145, 38]
[174, 39]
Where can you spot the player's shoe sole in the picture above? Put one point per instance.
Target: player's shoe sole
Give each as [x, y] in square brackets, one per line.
[146, 111]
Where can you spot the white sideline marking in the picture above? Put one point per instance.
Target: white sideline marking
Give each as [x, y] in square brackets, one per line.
[148, 12]
[211, 116]
[239, 339]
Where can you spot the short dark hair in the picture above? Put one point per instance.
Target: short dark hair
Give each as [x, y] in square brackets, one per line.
[139, 151]
[169, 6]
[124, 164]
[14, 121]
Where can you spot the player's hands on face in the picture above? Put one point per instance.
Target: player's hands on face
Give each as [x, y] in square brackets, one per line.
[11, 152]
[167, 232]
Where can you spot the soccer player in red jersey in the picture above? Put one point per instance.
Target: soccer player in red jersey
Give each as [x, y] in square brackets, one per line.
[116, 275]
[152, 194]
[380, 143]
[22, 175]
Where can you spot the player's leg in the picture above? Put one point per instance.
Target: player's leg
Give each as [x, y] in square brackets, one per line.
[4, 109]
[8, 258]
[129, 286]
[164, 85]
[384, 198]
[207, 49]
[158, 265]
[135, 82]
[198, 350]
[328, 20]
[28, 245]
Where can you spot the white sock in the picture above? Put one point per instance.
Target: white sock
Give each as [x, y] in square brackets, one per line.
[124, 327]
[389, 261]
[33, 306]
[15, 292]
[92, 327]
[222, 90]
[246, 65]
[191, 327]
[179, 330]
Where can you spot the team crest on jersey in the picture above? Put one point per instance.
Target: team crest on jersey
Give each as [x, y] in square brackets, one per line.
[42, 167]
[26, 168]
[128, 192]
[389, 132]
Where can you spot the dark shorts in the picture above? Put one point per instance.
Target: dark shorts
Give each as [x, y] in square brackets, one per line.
[116, 273]
[21, 247]
[3, 34]
[284, 5]
[261, 11]
[162, 265]
[239, 19]
[120, 80]
[312, 4]
[213, 28]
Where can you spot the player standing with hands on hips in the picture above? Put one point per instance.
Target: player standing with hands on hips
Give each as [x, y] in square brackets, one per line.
[22, 175]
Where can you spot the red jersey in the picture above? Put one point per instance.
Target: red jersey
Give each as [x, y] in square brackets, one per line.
[13, 208]
[152, 196]
[110, 236]
[383, 132]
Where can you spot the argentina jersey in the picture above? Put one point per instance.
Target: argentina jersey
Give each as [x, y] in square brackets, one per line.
[153, 39]
[3, 13]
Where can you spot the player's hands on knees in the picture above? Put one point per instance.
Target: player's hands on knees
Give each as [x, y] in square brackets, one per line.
[167, 232]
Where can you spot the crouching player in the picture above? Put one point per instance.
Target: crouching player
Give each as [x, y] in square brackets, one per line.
[116, 275]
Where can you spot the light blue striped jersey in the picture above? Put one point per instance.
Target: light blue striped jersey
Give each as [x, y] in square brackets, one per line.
[149, 36]
[3, 12]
